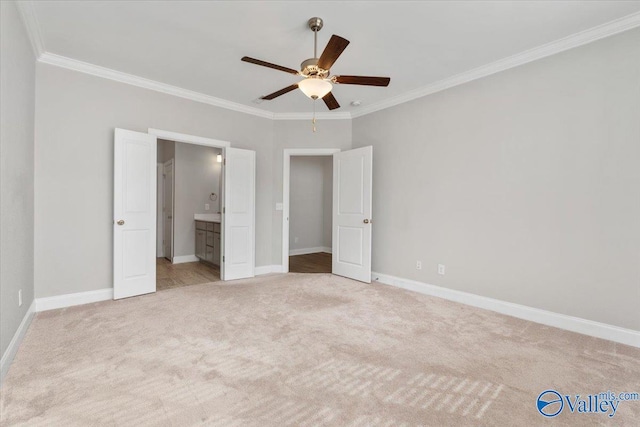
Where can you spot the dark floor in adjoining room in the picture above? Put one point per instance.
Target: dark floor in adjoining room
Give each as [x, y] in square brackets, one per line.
[319, 262]
[170, 275]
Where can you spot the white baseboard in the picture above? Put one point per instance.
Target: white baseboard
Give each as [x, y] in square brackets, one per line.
[14, 344]
[277, 269]
[69, 300]
[306, 251]
[185, 258]
[267, 269]
[562, 321]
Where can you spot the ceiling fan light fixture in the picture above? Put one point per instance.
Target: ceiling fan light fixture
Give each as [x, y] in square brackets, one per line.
[315, 88]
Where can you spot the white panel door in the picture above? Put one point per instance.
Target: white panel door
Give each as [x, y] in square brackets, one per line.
[352, 185]
[134, 210]
[238, 215]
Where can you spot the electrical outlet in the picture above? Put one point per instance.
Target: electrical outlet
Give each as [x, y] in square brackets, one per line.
[441, 269]
[206, 206]
[19, 297]
[418, 265]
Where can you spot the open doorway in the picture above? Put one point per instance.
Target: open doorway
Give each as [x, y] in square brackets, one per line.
[310, 212]
[189, 188]
[135, 247]
[307, 229]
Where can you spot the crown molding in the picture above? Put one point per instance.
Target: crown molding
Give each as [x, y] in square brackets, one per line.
[28, 14]
[309, 116]
[578, 39]
[107, 73]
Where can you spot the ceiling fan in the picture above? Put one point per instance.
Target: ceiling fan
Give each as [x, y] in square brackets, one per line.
[317, 81]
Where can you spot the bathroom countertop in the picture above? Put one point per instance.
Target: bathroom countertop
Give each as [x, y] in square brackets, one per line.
[207, 217]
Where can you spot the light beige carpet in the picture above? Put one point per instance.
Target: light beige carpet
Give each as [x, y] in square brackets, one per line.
[303, 350]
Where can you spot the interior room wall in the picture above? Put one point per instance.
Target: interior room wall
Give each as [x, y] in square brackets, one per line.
[76, 115]
[307, 203]
[160, 151]
[299, 134]
[197, 175]
[524, 184]
[327, 204]
[166, 150]
[17, 98]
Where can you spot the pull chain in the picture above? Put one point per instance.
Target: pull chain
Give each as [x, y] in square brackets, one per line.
[313, 122]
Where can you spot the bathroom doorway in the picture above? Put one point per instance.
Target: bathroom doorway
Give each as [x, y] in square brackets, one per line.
[189, 214]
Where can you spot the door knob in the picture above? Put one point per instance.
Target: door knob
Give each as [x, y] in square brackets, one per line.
[366, 221]
[121, 222]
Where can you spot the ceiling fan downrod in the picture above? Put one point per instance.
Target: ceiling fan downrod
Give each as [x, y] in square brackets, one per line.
[315, 24]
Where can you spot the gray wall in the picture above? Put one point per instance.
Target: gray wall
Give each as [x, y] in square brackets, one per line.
[197, 175]
[327, 195]
[308, 207]
[298, 134]
[75, 117]
[166, 150]
[17, 94]
[525, 184]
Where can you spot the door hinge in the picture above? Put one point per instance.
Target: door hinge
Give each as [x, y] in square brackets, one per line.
[222, 258]
[224, 161]
[223, 210]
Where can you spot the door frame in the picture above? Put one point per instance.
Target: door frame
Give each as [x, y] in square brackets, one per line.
[195, 140]
[172, 163]
[286, 176]
[159, 206]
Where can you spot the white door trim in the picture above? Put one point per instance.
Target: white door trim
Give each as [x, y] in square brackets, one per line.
[172, 164]
[207, 142]
[286, 174]
[159, 213]
[189, 139]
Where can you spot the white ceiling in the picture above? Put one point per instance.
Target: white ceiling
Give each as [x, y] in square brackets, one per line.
[198, 45]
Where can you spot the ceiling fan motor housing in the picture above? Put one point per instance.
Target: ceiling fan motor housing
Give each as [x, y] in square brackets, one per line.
[309, 68]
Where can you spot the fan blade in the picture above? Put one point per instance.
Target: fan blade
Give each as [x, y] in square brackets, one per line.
[333, 50]
[280, 92]
[269, 65]
[331, 102]
[362, 80]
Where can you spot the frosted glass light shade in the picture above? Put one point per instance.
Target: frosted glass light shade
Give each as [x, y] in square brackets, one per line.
[219, 158]
[315, 88]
